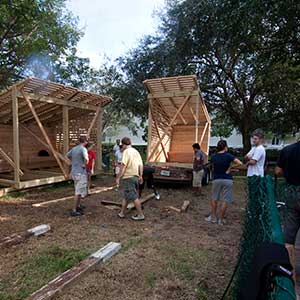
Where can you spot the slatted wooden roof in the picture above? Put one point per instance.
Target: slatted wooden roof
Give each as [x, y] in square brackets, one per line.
[171, 92]
[48, 98]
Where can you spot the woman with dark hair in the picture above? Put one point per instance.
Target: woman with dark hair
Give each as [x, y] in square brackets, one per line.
[222, 181]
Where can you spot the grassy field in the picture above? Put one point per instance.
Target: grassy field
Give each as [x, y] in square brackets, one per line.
[168, 256]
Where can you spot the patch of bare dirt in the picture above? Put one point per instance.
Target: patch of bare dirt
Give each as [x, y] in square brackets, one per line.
[168, 256]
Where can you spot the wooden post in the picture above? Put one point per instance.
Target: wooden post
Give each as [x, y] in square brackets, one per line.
[26, 98]
[65, 129]
[99, 140]
[149, 127]
[16, 141]
[197, 120]
[9, 160]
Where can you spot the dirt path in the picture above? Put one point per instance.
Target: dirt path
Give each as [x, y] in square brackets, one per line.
[168, 256]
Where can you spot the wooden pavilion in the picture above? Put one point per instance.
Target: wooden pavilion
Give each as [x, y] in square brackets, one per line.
[178, 118]
[39, 121]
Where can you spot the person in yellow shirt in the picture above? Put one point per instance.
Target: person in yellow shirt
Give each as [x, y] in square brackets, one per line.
[132, 175]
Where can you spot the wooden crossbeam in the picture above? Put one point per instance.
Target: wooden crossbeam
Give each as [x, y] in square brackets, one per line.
[193, 113]
[9, 160]
[153, 95]
[167, 130]
[158, 134]
[180, 114]
[54, 152]
[57, 101]
[65, 129]
[6, 181]
[93, 121]
[203, 133]
[159, 153]
[62, 157]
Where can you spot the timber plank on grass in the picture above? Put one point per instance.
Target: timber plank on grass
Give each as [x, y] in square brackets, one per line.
[55, 286]
[15, 239]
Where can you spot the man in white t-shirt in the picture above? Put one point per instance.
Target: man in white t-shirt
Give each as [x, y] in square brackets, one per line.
[255, 159]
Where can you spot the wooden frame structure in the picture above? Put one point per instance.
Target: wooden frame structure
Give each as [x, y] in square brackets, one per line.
[51, 116]
[178, 118]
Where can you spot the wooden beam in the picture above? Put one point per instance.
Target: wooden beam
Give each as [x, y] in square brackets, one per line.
[62, 157]
[65, 129]
[41, 181]
[6, 181]
[185, 206]
[180, 114]
[93, 121]
[170, 125]
[150, 123]
[54, 152]
[55, 286]
[143, 200]
[15, 239]
[159, 153]
[197, 120]
[9, 160]
[158, 134]
[174, 208]
[203, 133]
[99, 140]
[16, 133]
[58, 101]
[173, 94]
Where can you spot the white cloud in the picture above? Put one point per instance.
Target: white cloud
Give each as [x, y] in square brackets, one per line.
[113, 27]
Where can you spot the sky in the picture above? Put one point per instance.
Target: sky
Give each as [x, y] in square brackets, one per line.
[112, 27]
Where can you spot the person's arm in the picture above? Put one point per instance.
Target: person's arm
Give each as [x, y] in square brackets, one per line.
[141, 170]
[69, 154]
[85, 156]
[235, 165]
[256, 157]
[279, 171]
[93, 167]
[123, 167]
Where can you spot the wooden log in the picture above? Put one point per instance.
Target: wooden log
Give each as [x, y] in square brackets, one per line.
[55, 286]
[46, 137]
[15, 239]
[174, 208]
[108, 202]
[185, 206]
[143, 200]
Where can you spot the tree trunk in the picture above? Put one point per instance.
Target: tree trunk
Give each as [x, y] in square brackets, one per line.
[246, 141]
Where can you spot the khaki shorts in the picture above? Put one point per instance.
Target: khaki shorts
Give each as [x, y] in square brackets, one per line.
[131, 186]
[80, 184]
[197, 178]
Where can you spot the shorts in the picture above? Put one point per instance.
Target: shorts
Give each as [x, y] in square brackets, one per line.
[131, 186]
[80, 184]
[222, 190]
[291, 223]
[197, 178]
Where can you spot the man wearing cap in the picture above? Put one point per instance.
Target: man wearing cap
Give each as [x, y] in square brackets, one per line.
[132, 175]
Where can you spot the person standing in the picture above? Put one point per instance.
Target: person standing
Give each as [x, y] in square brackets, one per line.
[288, 165]
[198, 169]
[116, 150]
[222, 187]
[255, 158]
[90, 167]
[132, 175]
[79, 159]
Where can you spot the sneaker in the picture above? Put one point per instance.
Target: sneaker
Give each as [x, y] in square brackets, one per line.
[81, 206]
[138, 217]
[75, 213]
[221, 222]
[211, 219]
[121, 216]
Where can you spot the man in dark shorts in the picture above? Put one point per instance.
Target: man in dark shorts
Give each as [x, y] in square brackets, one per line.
[132, 175]
[288, 165]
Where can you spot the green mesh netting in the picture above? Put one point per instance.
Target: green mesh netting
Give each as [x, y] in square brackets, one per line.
[262, 223]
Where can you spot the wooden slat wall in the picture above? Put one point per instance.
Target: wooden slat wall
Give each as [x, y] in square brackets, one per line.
[182, 141]
[29, 148]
